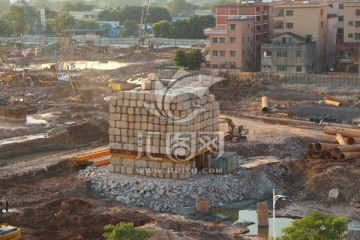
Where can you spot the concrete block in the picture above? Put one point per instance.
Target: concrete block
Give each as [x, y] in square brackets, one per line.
[111, 168]
[144, 119]
[167, 165]
[113, 102]
[148, 172]
[130, 170]
[184, 175]
[112, 109]
[118, 168]
[115, 117]
[175, 175]
[140, 171]
[154, 164]
[131, 111]
[154, 174]
[167, 175]
[129, 162]
[141, 163]
[161, 175]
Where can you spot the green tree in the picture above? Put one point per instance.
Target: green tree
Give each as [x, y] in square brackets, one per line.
[86, 24]
[5, 29]
[162, 29]
[22, 19]
[109, 15]
[180, 6]
[76, 6]
[194, 58]
[130, 27]
[126, 231]
[316, 226]
[130, 13]
[157, 14]
[198, 24]
[180, 29]
[62, 21]
[180, 58]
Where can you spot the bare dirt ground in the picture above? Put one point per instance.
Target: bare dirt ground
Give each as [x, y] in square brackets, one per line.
[49, 198]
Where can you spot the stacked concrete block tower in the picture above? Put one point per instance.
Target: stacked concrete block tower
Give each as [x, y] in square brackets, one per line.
[162, 131]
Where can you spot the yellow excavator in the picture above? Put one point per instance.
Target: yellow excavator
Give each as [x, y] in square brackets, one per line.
[7, 232]
[235, 132]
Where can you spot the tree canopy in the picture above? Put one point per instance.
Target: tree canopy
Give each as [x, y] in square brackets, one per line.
[62, 21]
[316, 225]
[76, 6]
[177, 7]
[110, 15]
[130, 27]
[156, 14]
[191, 59]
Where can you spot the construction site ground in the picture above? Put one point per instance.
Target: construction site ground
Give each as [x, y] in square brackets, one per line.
[49, 199]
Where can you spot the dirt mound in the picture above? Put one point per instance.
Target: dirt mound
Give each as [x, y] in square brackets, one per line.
[71, 218]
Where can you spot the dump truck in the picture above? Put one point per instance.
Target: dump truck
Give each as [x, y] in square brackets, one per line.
[8, 232]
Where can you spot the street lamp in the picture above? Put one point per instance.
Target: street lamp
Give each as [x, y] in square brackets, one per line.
[275, 198]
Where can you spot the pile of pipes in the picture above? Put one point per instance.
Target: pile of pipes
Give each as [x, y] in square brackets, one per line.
[327, 118]
[346, 148]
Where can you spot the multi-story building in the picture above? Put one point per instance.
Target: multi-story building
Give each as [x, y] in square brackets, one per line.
[232, 44]
[347, 56]
[305, 19]
[259, 12]
[335, 7]
[288, 53]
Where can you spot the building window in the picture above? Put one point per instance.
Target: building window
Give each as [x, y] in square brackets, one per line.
[351, 23]
[357, 12]
[214, 40]
[357, 23]
[222, 53]
[340, 18]
[357, 36]
[289, 25]
[233, 10]
[322, 24]
[258, 19]
[222, 40]
[342, 53]
[298, 69]
[298, 54]
[232, 53]
[321, 12]
[289, 13]
[281, 68]
[282, 54]
[232, 40]
[258, 9]
[341, 6]
[232, 26]
[350, 35]
[214, 53]
[340, 31]
[353, 69]
[267, 53]
[243, 39]
[331, 5]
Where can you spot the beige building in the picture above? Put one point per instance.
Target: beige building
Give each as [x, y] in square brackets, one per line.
[352, 22]
[305, 19]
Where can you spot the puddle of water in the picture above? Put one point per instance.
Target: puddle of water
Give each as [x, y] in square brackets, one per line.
[21, 138]
[86, 65]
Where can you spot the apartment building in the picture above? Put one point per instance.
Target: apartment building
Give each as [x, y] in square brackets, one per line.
[259, 12]
[288, 53]
[347, 58]
[232, 44]
[306, 19]
[335, 7]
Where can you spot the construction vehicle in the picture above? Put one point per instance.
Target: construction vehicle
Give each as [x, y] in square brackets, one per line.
[9, 75]
[7, 232]
[235, 132]
[117, 85]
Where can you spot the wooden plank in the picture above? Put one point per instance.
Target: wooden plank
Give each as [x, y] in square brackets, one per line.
[100, 162]
[88, 156]
[259, 163]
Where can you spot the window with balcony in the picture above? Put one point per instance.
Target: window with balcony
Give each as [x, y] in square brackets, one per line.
[232, 40]
[351, 23]
[232, 53]
[279, 12]
[279, 25]
[289, 25]
[298, 54]
[281, 54]
[357, 23]
[298, 69]
[357, 12]
[232, 26]
[214, 53]
[281, 68]
[258, 19]
[340, 30]
[350, 35]
[222, 40]
[222, 53]
[267, 53]
[341, 6]
[341, 18]
[289, 13]
[214, 40]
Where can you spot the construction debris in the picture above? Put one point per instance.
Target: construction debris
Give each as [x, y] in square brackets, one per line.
[336, 101]
[264, 105]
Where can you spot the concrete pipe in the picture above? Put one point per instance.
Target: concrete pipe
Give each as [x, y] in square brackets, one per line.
[310, 146]
[348, 155]
[353, 140]
[262, 213]
[340, 138]
[332, 103]
[316, 155]
[264, 105]
[343, 102]
[327, 155]
[346, 148]
[322, 147]
[346, 132]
